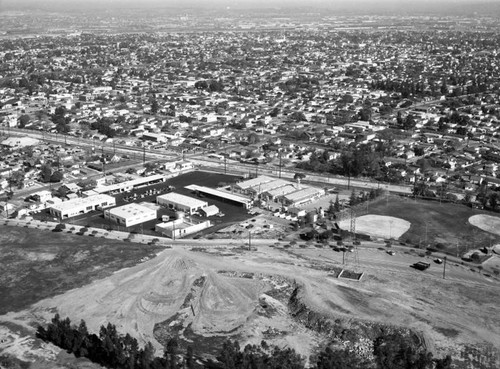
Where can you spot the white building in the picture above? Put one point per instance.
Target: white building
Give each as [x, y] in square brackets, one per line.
[81, 205]
[130, 214]
[181, 228]
[42, 196]
[180, 202]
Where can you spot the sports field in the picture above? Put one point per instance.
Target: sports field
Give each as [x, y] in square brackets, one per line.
[433, 223]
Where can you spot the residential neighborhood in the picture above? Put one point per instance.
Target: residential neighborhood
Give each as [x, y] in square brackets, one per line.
[410, 107]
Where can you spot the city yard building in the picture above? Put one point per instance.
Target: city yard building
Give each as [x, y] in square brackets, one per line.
[176, 201]
[130, 214]
[181, 227]
[81, 205]
[225, 196]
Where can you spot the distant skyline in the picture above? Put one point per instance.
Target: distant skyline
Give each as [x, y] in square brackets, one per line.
[441, 7]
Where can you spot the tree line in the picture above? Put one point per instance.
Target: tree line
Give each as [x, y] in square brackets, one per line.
[112, 350]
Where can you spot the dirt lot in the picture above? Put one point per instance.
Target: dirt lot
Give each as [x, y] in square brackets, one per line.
[246, 295]
[38, 264]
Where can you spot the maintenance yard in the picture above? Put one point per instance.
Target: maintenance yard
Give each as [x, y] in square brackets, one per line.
[147, 196]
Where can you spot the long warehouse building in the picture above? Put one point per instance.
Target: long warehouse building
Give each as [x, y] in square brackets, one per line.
[176, 201]
[82, 205]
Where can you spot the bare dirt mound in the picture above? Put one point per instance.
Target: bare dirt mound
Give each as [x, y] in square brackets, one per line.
[380, 226]
[134, 299]
[486, 223]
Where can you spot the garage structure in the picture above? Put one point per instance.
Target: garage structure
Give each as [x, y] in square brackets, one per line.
[130, 214]
[180, 228]
[222, 195]
[82, 205]
[176, 201]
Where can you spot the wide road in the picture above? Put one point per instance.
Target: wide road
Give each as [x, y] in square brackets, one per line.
[203, 162]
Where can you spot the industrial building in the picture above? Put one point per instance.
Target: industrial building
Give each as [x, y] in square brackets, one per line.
[130, 185]
[302, 196]
[179, 228]
[130, 214]
[222, 195]
[279, 190]
[82, 205]
[176, 201]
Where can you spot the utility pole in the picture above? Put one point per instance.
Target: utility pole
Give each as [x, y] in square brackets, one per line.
[249, 240]
[143, 155]
[444, 268]
[280, 165]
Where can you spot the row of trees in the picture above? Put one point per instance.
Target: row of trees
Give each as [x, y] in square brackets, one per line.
[111, 349]
[391, 351]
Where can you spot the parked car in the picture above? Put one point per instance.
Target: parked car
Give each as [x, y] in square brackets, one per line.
[421, 265]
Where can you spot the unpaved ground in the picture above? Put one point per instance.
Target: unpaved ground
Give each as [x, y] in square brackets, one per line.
[379, 226]
[244, 294]
[486, 223]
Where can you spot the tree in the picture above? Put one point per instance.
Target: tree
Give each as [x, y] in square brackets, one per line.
[24, 120]
[493, 200]
[155, 107]
[300, 176]
[46, 172]
[353, 199]
[253, 138]
[57, 176]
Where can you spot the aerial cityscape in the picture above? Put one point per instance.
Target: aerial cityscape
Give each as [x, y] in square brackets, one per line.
[250, 184]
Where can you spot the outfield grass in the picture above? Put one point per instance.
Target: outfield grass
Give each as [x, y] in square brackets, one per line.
[37, 264]
[434, 223]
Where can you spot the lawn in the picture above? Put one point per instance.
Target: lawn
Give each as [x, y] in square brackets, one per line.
[434, 223]
[37, 264]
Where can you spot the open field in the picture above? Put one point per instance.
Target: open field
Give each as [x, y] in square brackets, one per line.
[486, 223]
[39, 264]
[379, 226]
[433, 223]
[228, 292]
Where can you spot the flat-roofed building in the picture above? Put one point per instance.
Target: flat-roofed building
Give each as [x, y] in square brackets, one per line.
[302, 196]
[42, 196]
[222, 195]
[274, 194]
[130, 185]
[130, 214]
[176, 201]
[82, 205]
[181, 228]
[245, 186]
[260, 188]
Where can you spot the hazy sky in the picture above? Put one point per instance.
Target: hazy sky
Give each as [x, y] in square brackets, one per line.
[392, 5]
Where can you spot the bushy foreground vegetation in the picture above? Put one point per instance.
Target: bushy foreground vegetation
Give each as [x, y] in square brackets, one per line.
[113, 350]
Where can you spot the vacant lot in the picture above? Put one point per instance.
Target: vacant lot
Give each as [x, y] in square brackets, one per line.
[38, 264]
[434, 223]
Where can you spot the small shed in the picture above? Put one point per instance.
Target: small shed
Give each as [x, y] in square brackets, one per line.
[209, 211]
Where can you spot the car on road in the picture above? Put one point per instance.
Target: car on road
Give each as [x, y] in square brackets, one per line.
[391, 252]
[438, 261]
[421, 265]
